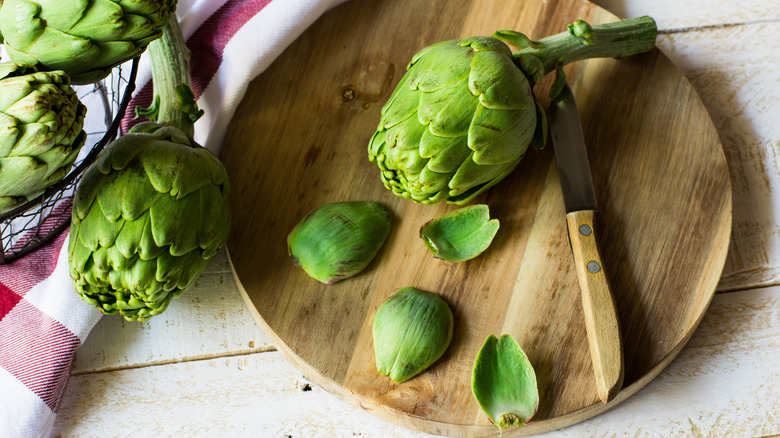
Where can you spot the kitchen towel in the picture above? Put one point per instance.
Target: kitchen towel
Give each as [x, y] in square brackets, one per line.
[42, 319]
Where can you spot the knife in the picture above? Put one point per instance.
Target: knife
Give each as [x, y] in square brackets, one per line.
[601, 322]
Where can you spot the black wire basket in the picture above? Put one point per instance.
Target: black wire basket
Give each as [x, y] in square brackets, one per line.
[34, 224]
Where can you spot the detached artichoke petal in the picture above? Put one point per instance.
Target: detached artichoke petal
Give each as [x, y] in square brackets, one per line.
[461, 234]
[504, 382]
[411, 330]
[338, 240]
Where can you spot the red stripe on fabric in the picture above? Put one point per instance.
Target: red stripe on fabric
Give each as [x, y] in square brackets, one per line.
[37, 350]
[22, 274]
[208, 42]
[8, 300]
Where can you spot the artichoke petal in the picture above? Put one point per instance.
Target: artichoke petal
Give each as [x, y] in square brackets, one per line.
[447, 154]
[411, 330]
[437, 68]
[498, 82]
[446, 110]
[501, 136]
[405, 135]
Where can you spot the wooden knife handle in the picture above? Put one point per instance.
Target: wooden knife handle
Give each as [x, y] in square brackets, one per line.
[601, 321]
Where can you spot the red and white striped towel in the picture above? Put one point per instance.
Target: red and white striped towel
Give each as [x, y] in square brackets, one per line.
[42, 319]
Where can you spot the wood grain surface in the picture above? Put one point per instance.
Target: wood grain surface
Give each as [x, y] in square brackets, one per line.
[299, 140]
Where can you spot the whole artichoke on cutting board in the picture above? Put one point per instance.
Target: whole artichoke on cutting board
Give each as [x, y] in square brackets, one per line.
[84, 38]
[153, 208]
[464, 114]
[41, 131]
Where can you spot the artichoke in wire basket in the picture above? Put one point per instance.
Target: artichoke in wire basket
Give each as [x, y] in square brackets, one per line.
[84, 38]
[41, 131]
[153, 208]
[147, 216]
[464, 114]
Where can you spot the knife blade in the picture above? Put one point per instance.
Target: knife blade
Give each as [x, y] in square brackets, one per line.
[579, 197]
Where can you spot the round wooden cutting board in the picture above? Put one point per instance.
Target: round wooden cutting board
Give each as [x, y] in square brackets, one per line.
[299, 140]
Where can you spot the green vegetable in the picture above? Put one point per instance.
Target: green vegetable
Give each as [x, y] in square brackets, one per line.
[153, 208]
[464, 114]
[147, 216]
[84, 38]
[338, 240]
[504, 382]
[412, 329]
[460, 234]
[41, 131]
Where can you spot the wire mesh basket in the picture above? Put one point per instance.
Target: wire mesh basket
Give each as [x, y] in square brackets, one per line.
[40, 220]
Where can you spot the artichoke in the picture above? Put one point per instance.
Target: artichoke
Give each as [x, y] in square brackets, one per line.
[84, 38]
[464, 114]
[41, 131]
[147, 216]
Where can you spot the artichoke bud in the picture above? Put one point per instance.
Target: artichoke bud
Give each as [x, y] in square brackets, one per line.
[461, 234]
[463, 115]
[339, 239]
[504, 382]
[85, 39]
[147, 216]
[412, 329]
[41, 131]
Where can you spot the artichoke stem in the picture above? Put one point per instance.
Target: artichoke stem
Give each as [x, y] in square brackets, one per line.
[583, 41]
[174, 101]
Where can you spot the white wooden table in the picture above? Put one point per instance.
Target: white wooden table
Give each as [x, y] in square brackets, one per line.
[204, 368]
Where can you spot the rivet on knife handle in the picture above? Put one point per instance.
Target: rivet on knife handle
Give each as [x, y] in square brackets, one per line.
[598, 303]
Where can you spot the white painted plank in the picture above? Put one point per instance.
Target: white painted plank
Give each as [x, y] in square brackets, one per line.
[683, 14]
[209, 320]
[726, 382]
[737, 75]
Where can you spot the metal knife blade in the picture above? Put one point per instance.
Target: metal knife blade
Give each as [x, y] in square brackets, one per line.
[601, 320]
[570, 153]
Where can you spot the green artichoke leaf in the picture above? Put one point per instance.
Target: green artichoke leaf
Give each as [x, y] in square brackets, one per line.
[430, 181]
[114, 201]
[446, 154]
[401, 105]
[448, 110]
[96, 230]
[472, 179]
[449, 160]
[213, 229]
[136, 238]
[411, 330]
[9, 132]
[406, 160]
[499, 84]
[461, 234]
[500, 136]
[486, 44]
[405, 135]
[167, 216]
[504, 382]
[20, 169]
[100, 19]
[444, 66]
